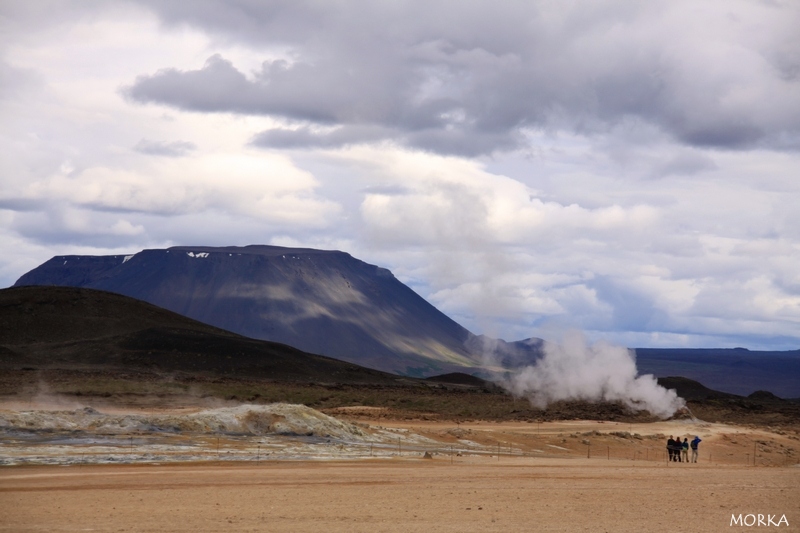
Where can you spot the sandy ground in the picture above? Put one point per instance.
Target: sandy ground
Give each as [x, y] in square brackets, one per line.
[401, 495]
[482, 476]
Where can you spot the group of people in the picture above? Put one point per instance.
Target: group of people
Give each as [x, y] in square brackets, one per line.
[679, 451]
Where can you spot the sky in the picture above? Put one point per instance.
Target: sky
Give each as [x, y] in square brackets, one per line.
[628, 169]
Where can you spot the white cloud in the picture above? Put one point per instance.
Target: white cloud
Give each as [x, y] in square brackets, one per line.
[267, 188]
[638, 176]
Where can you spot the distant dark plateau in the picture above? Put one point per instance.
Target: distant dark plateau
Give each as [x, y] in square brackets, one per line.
[734, 370]
[95, 346]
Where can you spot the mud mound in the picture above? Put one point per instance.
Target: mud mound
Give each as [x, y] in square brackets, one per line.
[763, 395]
[273, 419]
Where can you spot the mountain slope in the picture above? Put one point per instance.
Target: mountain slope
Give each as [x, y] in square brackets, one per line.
[73, 328]
[323, 302]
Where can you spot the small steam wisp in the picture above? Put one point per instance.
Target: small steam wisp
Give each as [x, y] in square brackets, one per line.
[575, 370]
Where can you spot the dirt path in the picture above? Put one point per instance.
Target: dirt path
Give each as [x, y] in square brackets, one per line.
[401, 495]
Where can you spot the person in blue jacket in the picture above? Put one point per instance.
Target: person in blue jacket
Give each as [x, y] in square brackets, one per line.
[694, 444]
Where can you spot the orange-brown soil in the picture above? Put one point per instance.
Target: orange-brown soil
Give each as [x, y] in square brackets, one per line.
[541, 480]
[477, 493]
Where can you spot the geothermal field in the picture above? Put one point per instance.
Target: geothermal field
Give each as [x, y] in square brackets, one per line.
[282, 467]
[393, 266]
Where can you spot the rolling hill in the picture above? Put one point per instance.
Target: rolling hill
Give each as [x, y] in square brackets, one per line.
[82, 329]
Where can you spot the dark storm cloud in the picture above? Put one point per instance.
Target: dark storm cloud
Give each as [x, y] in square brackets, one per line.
[686, 164]
[21, 204]
[306, 138]
[469, 78]
[164, 148]
[447, 141]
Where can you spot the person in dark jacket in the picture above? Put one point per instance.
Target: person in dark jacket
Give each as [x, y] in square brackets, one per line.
[671, 448]
[695, 443]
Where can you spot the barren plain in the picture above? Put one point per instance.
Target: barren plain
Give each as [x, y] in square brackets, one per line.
[364, 471]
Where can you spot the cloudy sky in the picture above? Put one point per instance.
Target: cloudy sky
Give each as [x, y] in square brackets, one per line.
[631, 169]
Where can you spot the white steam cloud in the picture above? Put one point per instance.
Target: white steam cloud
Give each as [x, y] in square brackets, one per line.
[575, 370]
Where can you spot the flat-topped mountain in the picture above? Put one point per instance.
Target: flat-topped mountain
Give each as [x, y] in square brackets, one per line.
[323, 302]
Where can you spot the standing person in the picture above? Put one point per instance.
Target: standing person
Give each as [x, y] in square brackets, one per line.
[671, 448]
[685, 450]
[695, 443]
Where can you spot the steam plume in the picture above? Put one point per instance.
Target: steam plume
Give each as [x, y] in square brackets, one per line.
[574, 370]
